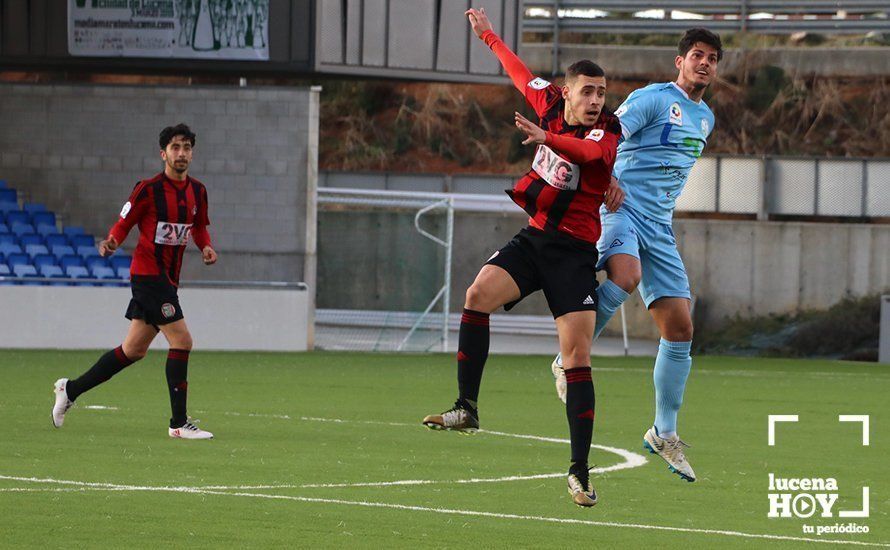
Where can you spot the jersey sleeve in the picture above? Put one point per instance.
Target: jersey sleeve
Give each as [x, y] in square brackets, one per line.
[600, 143]
[538, 92]
[133, 211]
[637, 112]
[199, 230]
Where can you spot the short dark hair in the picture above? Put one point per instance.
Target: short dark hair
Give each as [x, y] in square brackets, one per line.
[699, 34]
[584, 67]
[168, 133]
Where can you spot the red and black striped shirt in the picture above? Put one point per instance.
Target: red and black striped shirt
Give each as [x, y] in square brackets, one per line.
[168, 212]
[565, 187]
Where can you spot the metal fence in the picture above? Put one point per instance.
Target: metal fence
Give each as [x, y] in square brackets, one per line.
[763, 187]
[759, 16]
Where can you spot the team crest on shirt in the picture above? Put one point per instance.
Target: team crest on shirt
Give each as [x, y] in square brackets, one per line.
[596, 134]
[126, 209]
[704, 127]
[168, 310]
[676, 115]
[538, 84]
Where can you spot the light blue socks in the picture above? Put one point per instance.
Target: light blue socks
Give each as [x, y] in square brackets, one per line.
[610, 297]
[671, 371]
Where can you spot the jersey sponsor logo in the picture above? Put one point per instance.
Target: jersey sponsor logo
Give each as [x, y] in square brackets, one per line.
[126, 209]
[596, 134]
[616, 242]
[538, 84]
[168, 310]
[588, 301]
[555, 170]
[676, 115]
[173, 234]
[704, 127]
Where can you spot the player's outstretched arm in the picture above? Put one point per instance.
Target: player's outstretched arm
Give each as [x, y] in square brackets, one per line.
[521, 76]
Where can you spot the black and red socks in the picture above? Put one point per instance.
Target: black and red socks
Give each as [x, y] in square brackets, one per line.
[580, 404]
[177, 384]
[111, 363]
[472, 353]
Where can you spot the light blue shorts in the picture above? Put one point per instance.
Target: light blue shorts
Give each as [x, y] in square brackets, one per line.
[629, 232]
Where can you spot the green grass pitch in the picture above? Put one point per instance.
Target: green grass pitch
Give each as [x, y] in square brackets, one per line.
[288, 426]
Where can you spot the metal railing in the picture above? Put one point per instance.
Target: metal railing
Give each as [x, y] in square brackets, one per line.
[759, 16]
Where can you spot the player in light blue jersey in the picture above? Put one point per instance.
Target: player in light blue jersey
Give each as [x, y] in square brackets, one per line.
[665, 127]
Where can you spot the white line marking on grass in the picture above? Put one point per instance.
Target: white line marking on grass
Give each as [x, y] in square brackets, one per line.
[472, 513]
[101, 408]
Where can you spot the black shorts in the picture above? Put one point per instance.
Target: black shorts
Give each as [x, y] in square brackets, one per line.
[155, 301]
[563, 267]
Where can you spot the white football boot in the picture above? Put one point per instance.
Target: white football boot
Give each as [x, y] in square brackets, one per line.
[559, 377]
[582, 491]
[189, 431]
[459, 418]
[63, 404]
[671, 450]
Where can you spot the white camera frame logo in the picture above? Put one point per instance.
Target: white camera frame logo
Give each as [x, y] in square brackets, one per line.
[804, 504]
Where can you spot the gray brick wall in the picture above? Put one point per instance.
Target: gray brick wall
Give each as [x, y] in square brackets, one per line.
[80, 149]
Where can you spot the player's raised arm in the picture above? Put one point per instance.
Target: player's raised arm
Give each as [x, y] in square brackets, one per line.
[534, 89]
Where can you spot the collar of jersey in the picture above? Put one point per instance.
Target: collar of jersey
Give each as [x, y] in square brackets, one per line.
[682, 91]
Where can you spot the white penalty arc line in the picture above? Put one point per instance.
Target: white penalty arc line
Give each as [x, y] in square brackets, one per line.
[471, 513]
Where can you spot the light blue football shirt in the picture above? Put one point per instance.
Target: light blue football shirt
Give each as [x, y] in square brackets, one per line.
[663, 133]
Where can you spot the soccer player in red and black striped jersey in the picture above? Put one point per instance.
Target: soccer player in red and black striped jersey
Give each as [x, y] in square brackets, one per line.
[170, 209]
[570, 178]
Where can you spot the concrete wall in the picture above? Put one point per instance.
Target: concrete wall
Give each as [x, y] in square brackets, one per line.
[743, 268]
[80, 149]
[93, 318]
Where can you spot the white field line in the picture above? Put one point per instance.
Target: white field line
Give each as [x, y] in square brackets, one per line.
[472, 513]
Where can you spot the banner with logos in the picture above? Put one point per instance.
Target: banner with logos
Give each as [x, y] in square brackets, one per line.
[194, 29]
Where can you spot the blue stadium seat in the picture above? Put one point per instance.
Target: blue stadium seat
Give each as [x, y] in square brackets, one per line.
[123, 273]
[60, 250]
[103, 272]
[9, 248]
[3, 227]
[86, 251]
[30, 238]
[35, 249]
[42, 260]
[17, 216]
[77, 272]
[3, 184]
[55, 240]
[24, 270]
[44, 230]
[43, 218]
[72, 230]
[93, 262]
[20, 229]
[6, 206]
[9, 195]
[71, 261]
[81, 240]
[15, 259]
[8, 238]
[50, 270]
[32, 207]
[119, 261]
[4, 269]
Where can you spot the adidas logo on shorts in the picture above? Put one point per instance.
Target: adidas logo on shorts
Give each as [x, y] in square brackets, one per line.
[588, 301]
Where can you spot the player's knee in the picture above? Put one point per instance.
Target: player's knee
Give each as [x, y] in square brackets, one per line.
[679, 333]
[183, 341]
[627, 281]
[478, 299]
[576, 356]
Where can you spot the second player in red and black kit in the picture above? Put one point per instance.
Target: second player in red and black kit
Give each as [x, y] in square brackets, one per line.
[170, 209]
[569, 179]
